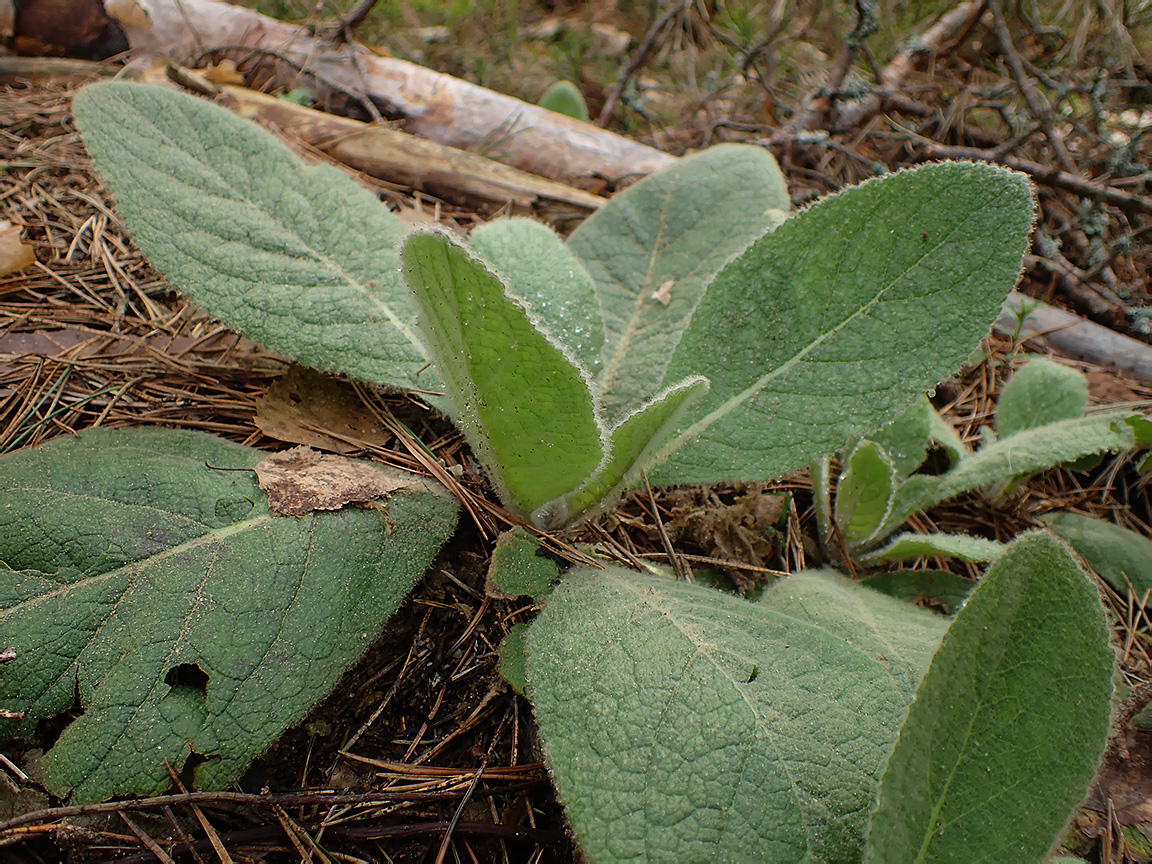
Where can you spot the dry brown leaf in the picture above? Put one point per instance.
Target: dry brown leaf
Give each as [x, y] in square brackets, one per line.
[14, 253]
[224, 72]
[304, 403]
[301, 480]
[743, 532]
[664, 292]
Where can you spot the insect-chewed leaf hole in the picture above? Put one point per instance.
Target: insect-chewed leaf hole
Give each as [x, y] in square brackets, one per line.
[187, 675]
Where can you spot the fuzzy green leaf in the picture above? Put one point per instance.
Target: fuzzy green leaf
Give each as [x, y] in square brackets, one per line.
[900, 638]
[1020, 455]
[564, 97]
[864, 493]
[1041, 392]
[841, 312]
[683, 724]
[1122, 557]
[906, 438]
[186, 617]
[1009, 722]
[653, 249]
[516, 569]
[540, 271]
[301, 259]
[941, 431]
[631, 446]
[935, 587]
[909, 546]
[521, 402]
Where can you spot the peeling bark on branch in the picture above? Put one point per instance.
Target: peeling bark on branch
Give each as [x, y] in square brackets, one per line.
[436, 106]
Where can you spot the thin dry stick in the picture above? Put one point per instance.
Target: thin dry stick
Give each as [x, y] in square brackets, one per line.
[853, 115]
[682, 573]
[1042, 174]
[152, 845]
[444, 844]
[1035, 102]
[816, 105]
[213, 837]
[639, 59]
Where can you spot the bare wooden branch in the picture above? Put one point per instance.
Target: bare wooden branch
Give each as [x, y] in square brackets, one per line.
[1072, 336]
[958, 19]
[1045, 174]
[1039, 109]
[389, 154]
[433, 105]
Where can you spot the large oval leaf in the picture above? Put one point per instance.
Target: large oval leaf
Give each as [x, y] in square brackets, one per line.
[1009, 722]
[143, 573]
[839, 318]
[299, 258]
[682, 724]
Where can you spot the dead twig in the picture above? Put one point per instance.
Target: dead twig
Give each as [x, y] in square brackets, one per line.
[638, 59]
[1045, 174]
[1035, 102]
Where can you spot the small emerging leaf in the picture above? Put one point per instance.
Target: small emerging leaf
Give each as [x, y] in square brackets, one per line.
[909, 546]
[516, 569]
[864, 493]
[1041, 392]
[1009, 722]
[564, 97]
[906, 438]
[523, 405]
[1019, 455]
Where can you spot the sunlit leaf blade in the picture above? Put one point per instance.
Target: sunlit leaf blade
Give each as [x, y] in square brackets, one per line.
[683, 724]
[541, 271]
[1009, 722]
[631, 445]
[299, 258]
[842, 313]
[1041, 392]
[523, 405]
[653, 248]
[142, 571]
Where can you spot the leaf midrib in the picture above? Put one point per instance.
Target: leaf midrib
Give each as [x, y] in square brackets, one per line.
[210, 535]
[758, 386]
[351, 281]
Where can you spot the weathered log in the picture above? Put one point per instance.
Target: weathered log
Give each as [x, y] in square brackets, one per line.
[431, 104]
[389, 154]
[1072, 336]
